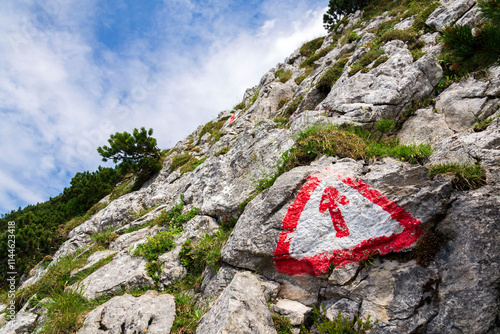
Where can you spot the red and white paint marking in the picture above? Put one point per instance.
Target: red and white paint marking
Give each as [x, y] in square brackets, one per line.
[233, 118]
[339, 219]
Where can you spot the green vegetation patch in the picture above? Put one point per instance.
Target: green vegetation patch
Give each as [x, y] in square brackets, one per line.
[164, 241]
[293, 106]
[283, 120]
[366, 60]
[105, 238]
[308, 71]
[179, 160]
[222, 151]
[467, 177]
[282, 324]
[331, 75]
[309, 62]
[191, 165]
[175, 217]
[339, 324]
[403, 35]
[185, 162]
[187, 313]
[65, 312]
[379, 61]
[309, 48]
[206, 252]
[81, 275]
[283, 76]
[240, 105]
[157, 245]
[282, 103]
[347, 141]
[214, 129]
[482, 124]
[353, 37]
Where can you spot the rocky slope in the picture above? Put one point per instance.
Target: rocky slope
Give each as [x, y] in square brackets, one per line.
[281, 247]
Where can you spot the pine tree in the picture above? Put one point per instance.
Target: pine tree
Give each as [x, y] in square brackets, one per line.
[136, 152]
[337, 9]
[472, 52]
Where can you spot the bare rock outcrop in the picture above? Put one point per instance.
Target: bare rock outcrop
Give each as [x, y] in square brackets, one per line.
[150, 313]
[241, 308]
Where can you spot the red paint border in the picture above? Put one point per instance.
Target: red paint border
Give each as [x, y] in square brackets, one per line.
[318, 264]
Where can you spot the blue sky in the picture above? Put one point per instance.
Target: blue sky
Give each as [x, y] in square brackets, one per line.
[72, 72]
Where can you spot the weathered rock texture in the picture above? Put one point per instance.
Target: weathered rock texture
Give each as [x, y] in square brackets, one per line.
[123, 272]
[445, 282]
[241, 308]
[149, 313]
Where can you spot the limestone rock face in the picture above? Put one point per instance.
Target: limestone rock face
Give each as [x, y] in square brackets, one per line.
[385, 91]
[449, 13]
[432, 128]
[27, 320]
[241, 308]
[123, 272]
[464, 102]
[469, 266]
[93, 259]
[149, 313]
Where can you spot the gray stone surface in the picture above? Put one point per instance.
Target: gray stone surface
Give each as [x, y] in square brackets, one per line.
[149, 313]
[449, 13]
[27, 320]
[123, 272]
[241, 308]
[391, 292]
[343, 275]
[131, 240]
[469, 266]
[93, 259]
[425, 127]
[462, 103]
[386, 91]
[293, 310]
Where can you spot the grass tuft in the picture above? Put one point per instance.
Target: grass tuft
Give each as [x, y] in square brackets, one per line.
[222, 151]
[282, 324]
[283, 76]
[467, 177]
[104, 238]
[331, 75]
[309, 48]
[366, 60]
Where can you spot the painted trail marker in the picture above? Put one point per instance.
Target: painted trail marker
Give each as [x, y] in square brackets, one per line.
[233, 118]
[339, 219]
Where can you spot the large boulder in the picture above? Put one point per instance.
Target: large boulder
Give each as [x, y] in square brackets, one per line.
[241, 308]
[150, 313]
[122, 273]
[254, 243]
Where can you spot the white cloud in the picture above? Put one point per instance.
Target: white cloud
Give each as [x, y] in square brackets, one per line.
[62, 93]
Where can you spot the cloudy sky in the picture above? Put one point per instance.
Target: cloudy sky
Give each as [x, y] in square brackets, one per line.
[72, 72]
